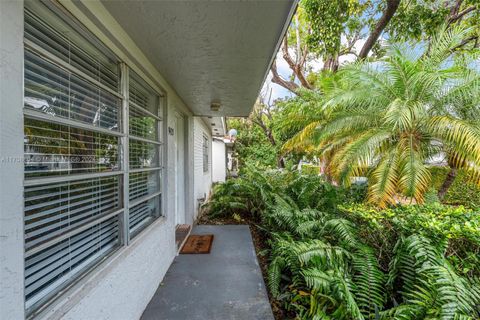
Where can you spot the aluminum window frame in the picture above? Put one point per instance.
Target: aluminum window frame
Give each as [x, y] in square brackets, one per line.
[160, 106]
[124, 170]
[51, 293]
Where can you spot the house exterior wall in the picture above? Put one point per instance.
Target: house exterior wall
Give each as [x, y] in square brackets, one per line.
[202, 180]
[121, 286]
[11, 164]
[219, 161]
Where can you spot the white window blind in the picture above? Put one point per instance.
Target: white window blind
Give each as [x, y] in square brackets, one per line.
[54, 209]
[73, 174]
[145, 157]
[55, 149]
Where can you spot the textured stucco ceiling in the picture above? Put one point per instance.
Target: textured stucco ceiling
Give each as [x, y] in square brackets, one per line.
[208, 50]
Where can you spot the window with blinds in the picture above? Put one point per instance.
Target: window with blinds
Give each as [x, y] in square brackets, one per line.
[145, 160]
[75, 109]
[205, 153]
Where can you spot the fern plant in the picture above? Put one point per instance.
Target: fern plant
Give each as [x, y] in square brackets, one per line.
[358, 262]
[321, 254]
[429, 286]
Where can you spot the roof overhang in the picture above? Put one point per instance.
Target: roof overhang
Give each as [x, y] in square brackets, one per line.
[208, 51]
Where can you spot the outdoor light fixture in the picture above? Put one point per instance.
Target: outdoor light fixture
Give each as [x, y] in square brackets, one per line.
[215, 106]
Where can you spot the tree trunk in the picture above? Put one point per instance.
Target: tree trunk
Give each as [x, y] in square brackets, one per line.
[331, 64]
[452, 174]
[269, 134]
[280, 163]
[392, 6]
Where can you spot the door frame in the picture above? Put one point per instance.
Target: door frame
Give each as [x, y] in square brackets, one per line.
[182, 196]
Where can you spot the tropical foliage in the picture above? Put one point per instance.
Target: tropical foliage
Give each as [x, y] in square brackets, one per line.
[327, 32]
[252, 146]
[387, 119]
[394, 247]
[332, 257]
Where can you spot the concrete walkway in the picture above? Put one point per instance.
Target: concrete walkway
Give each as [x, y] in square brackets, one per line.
[225, 284]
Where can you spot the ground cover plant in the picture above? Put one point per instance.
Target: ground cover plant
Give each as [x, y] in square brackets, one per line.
[331, 256]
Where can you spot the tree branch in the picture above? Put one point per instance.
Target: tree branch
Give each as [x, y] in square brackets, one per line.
[304, 56]
[296, 67]
[276, 78]
[460, 15]
[349, 48]
[392, 6]
[466, 41]
[267, 131]
[256, 117]
[297, 35]
[454, 8]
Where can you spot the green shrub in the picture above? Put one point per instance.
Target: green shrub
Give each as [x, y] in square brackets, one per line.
[455, 228]
[312, 191]
[310, 169]
[356, 193]
[462, 192]
[228, 198]
[255, 188]
[247, 195]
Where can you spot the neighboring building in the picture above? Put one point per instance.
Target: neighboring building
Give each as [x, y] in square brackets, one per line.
[224, 163]
[219, 160]
[107, 114]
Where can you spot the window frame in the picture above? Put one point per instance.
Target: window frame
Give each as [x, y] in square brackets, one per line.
[123, 171]
[158, 143]
[205, 153]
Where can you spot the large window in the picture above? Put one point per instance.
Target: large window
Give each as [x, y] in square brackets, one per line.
[92, 153]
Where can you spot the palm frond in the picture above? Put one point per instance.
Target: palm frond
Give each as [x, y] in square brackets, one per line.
[383, 188]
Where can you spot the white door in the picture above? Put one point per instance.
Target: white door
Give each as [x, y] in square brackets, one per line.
[179, 169]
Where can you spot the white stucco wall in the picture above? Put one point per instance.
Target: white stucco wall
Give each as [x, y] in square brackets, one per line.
[121, 287]
[202, 180]
[219, 161]
[11, 164]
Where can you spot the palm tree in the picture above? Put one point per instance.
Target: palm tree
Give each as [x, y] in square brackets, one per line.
[385, 119]
[299, 119]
